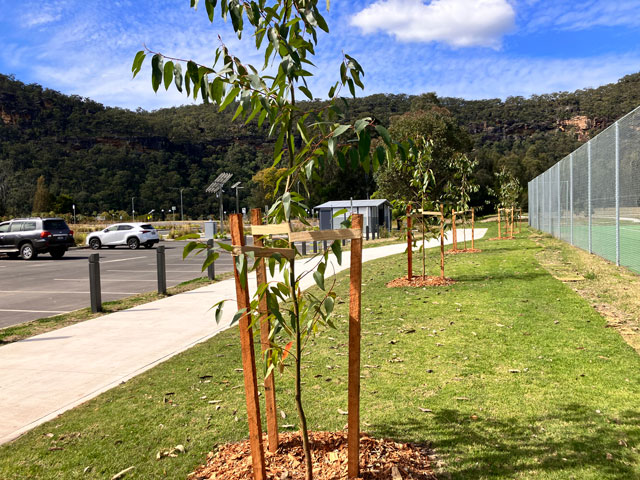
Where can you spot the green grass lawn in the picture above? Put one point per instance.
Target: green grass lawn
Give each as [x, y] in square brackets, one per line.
[520, 375]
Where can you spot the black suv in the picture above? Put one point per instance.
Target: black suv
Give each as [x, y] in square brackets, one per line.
[28, 237]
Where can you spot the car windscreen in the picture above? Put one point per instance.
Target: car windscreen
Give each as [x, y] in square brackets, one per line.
[147, 227]
[55, 225]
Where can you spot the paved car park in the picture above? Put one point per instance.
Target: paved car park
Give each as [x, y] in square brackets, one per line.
[44, 287]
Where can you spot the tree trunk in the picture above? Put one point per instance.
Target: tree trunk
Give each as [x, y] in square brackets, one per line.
[303, 419]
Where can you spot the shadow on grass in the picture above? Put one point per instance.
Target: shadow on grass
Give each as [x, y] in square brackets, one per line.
[518, 446]
[501, 276]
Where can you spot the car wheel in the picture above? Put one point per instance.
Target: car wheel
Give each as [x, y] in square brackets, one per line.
[57, 253]
[133, 243]
[27, 252]
[95, 243]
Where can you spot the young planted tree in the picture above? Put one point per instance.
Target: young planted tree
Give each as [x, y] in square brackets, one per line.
[462, 185]
[286, 32]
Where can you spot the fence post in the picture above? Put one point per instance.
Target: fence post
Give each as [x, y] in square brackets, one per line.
[557, 167]
[409, 245]
[571, 194]
[211, 269]
[618, 193]
[324, 244]
[248, 356]
[162, 270]
[94, 283]
[589, 195]
[367, 232]
[355, 306]
[304, 248]
[315, 246]
[265, 328]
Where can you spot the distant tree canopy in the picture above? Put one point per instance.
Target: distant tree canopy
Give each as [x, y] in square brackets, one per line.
[98, 158]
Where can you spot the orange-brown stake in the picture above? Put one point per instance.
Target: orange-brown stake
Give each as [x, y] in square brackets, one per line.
[499, 230]
[248, 357]
[409, 244]
[355, 290]
[442, 241]
[454, 232]
[473, 223]
[265, 327]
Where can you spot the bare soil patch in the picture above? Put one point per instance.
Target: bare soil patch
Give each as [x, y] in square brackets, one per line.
[421, 281]
[379, 459]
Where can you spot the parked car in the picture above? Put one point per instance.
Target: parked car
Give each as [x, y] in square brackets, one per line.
[130, 234]
[27, 237]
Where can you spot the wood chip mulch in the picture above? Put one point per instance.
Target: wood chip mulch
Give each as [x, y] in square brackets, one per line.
[464, 250]
[379, 459]
[421, 281]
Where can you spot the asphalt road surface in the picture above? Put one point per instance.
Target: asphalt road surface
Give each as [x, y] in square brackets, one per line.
[45, 287]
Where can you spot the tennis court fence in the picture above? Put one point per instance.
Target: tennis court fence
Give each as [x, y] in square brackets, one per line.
[591, 198]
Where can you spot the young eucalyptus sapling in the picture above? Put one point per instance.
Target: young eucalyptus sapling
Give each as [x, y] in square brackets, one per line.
[286, 32]
[462, 185]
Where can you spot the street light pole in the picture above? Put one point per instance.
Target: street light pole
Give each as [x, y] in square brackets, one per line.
[181, 209]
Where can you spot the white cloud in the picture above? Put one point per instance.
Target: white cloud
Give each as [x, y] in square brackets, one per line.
[460, 23]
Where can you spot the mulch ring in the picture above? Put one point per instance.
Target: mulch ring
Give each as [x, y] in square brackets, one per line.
[464, 250]
[421, 281]
[379, 459]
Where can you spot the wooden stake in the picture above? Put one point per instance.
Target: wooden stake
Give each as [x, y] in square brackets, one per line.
[355, 290]
[511, 222]
[409, 245]
[499, 230]
[519, 220]
[265, 328]
[454, 232]
[473, 223]
[248, 358]
[441, 241]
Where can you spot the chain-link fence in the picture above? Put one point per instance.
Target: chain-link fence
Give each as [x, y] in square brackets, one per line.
[591, 198]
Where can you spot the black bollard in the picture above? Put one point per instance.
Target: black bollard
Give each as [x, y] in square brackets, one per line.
[94, 283]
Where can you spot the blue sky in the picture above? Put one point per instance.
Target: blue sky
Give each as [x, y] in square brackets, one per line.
[464, 48]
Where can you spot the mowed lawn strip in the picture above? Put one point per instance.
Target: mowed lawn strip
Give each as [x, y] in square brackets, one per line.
[518, 376]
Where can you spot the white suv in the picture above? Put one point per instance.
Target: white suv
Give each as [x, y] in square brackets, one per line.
[130, 234]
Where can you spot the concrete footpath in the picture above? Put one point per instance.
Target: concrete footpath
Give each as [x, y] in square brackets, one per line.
[45, 375]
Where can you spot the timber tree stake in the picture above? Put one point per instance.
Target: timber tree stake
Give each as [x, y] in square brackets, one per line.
[355, 290]
[265, 328]
[248, 356]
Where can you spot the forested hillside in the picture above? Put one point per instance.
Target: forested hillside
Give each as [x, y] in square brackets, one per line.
[99, 157]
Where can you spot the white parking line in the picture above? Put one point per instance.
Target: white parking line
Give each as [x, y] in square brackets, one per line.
[154, 271]
[32, 311]
[63, 292]
[122, 260]
[102, 280]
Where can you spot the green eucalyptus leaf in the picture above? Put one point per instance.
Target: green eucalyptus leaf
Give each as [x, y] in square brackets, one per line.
[328, 305]
[286, 203]
[177, 76]
[137, 62]
[168, 74]
[156, 72]
[340, 130]
[336, 248]
[318, 276]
